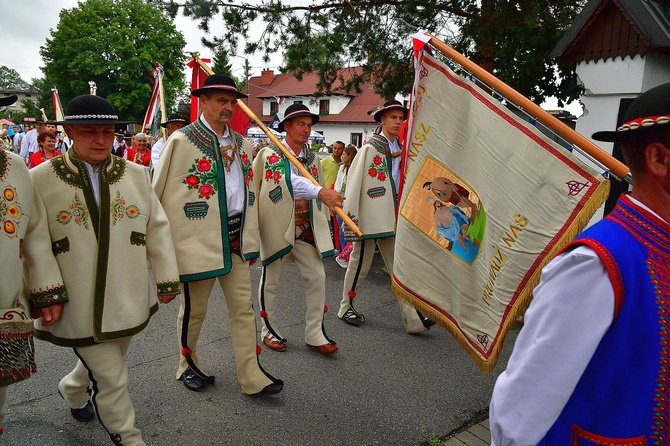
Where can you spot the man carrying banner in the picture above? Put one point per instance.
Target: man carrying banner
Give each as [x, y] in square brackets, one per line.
[174, 123]
[591, 362]
[24, 240]
[293, 216]
[371, 201]
[105, 226]
[206, 184]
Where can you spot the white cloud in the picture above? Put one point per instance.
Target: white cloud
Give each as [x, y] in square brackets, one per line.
[27, 24]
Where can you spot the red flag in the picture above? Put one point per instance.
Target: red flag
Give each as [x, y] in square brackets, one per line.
[197, 80]
[240, 122]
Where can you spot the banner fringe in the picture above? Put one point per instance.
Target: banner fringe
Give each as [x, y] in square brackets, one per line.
[525, 296]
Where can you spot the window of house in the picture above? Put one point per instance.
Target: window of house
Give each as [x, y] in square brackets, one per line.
[356, 139]
[324, 106]
[274, 107]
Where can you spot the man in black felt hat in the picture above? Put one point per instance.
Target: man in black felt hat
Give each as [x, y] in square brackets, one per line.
[119, 147]
[24, 242]
[208, 190]
[590, 365]
[293, 217]
[105, 224]
[173, 123]
[372, 203]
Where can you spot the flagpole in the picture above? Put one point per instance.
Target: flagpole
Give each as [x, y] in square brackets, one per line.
[287, 153]
[615, 166]
[159, 67]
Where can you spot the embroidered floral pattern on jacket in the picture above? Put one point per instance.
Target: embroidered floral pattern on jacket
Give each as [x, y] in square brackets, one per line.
[10, 212]
[44, 297]
[202, 177]
[78, 211]
[274, 168]
[247, 171]
[378, 168]
[119, 209]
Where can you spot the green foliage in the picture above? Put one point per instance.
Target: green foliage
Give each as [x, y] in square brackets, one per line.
[114, 43]
[221, 63]
[511, 38]
[10, 79]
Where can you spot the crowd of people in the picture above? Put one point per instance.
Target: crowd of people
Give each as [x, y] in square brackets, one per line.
[206, 204]
[202, 206]
[44, 140]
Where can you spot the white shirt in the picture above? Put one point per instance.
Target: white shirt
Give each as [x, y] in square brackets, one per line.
[156, 150]
[234, 178]
[572, 308]
[95, 181]
[302, 187]
[29, 144]
[394, 146]
[340, 180]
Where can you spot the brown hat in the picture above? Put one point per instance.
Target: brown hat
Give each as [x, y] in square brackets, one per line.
[295, 111]
[218, 82]
[388, 105]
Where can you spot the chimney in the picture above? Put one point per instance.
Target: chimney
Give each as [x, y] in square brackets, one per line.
[267, 76]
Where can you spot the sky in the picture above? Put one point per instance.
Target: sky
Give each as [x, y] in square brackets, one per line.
[23, 31]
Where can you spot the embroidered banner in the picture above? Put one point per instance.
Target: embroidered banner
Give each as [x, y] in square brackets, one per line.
[487, 201]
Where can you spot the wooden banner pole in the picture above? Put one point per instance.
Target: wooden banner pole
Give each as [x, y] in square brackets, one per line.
[287, 153]
[611, 163]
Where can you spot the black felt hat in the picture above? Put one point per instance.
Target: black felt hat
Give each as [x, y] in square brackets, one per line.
[295, 111]
[218, 82]
[388, 105]
[174, 118]
[90, 109]
[649, 113]
[9, 100]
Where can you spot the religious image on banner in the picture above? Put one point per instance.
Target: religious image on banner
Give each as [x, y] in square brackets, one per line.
[487, 201]
[443, 207]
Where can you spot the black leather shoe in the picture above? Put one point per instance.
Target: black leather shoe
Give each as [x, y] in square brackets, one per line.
[192, 381]
[351, 318]
[271, 389]
[427, 322]
[85, 414]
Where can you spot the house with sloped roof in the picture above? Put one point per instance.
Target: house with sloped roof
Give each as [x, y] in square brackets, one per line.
[621, 48]
[343, 115]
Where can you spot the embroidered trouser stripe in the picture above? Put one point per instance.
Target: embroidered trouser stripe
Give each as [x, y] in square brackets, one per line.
[310, 266]
[236, 286]
[360, 261]
[190, 327]
[103, 368]
[266, 324]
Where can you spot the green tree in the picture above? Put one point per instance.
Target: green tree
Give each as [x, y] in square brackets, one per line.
[221, 63]
[10, 79]
[114, 43]
[510, 38]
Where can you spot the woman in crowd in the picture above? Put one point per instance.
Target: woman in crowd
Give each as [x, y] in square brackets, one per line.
[47, 144]
[340, 186]
[140, 152]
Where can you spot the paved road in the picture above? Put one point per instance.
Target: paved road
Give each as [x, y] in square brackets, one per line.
[385, 387]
